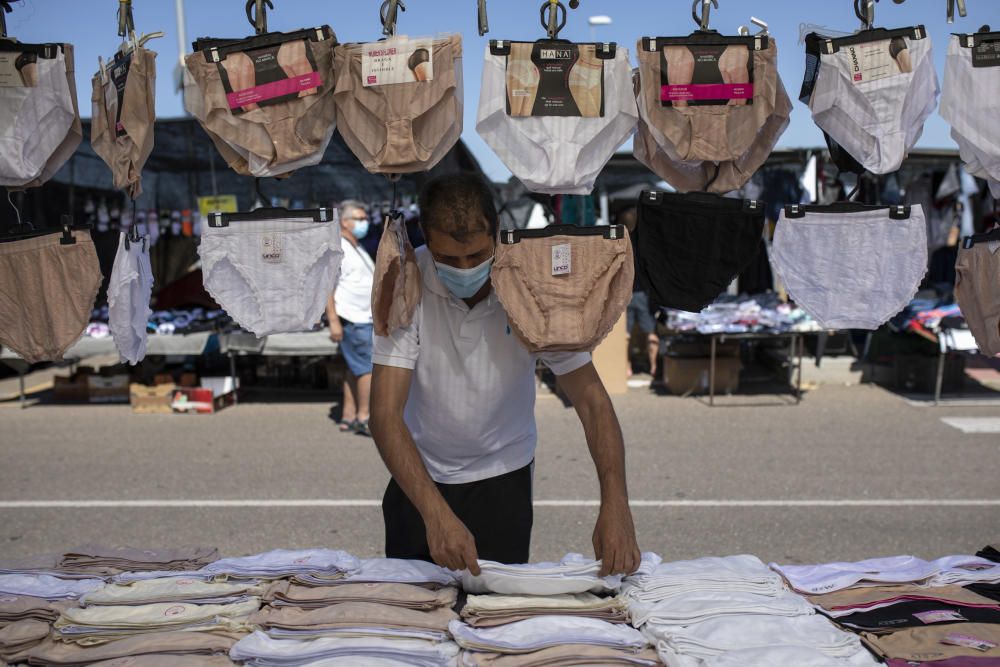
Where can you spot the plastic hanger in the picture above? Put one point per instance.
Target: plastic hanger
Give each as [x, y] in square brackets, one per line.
[610, 232]
[705, 35]
[219, 219]
[553, 14]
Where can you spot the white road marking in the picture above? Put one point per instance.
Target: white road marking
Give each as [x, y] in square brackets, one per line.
[360, 503]
[974, 424]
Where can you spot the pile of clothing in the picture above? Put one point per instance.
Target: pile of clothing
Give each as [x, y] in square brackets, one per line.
[761, 313]
[166, 322]
[733, 611]
[547, 614]
[910, 612]
[383, 609]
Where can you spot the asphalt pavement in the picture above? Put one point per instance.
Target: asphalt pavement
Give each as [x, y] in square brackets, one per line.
[851, 472]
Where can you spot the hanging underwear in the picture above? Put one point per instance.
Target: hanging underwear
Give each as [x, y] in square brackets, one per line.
[692, 246]
[47, 289]
[269, 97]
[718, 177]
[564, 287]
[977, 277]
[971, 102]
[124, 111]
[39, 120]
[271, 275]
[406, 126]
[850, 266]
[872, 92]
[707, 97]
[556, 112]
[129, 292]
[398, 285]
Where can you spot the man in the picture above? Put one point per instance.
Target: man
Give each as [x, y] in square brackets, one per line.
[453, 399]
[349, 310]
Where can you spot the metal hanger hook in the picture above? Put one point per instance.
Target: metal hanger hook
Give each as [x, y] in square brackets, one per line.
[388, 14]
[257, 14]
[702, 21]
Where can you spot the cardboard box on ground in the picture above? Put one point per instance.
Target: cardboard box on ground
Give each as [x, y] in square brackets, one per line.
[687, 367]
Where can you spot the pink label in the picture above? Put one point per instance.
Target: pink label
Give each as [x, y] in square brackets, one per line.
[969, 641]
[939, 616]
[268, 91]
[706, 91]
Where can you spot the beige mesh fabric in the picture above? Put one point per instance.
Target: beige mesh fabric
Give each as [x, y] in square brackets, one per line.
[573, 311]
[354, 615]
[977, 274]
[54, 653]
[284, 593]
[664, 158]
[709, 132]
[46, 293]
[276, 133]
[924, 644]
[126, 154]
[569, 655]
[402, 127]
[398, 284]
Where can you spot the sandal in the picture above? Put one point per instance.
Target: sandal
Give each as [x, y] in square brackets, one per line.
[361, 428]
[348, 425]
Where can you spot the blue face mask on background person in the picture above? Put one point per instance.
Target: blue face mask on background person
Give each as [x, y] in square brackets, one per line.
[464, 283]
[360, 228]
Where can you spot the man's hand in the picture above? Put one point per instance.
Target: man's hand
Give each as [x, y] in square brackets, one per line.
[451, 544]
[336, 332]
[614, 539]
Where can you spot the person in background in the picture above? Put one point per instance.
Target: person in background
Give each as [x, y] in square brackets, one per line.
[349, 310]
[639, 313]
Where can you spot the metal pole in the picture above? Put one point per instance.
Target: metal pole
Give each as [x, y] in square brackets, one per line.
[799, 343]
[181, 45]
[711, 375]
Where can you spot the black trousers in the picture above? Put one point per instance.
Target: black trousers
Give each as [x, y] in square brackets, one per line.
[497, 511]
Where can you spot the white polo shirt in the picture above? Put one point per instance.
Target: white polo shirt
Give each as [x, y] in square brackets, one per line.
[471, 408]
[353, 296]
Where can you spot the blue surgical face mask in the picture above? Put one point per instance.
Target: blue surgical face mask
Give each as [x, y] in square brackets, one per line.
[360, 228]
[464, 283]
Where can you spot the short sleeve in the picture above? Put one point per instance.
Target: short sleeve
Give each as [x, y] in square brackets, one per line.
[562, 363]
[400, 348]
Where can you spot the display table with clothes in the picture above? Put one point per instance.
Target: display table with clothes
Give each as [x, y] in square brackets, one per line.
[186, 606]
[750, 320]
[186, 345]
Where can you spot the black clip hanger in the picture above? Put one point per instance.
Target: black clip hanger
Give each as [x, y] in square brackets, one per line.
[484, 22]
[257, 14]
[983, 35]
[132, 233]
[799, 210]
[609, 232]
[216, 49]
[987, 237]
[218, 220]
[388, 13]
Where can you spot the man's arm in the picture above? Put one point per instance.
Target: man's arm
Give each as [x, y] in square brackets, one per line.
[336, 328]
[451, 544]
[614, 534]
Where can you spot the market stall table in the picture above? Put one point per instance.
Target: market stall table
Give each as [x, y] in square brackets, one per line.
[795, 339]
[187, 345]
[302, 344]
